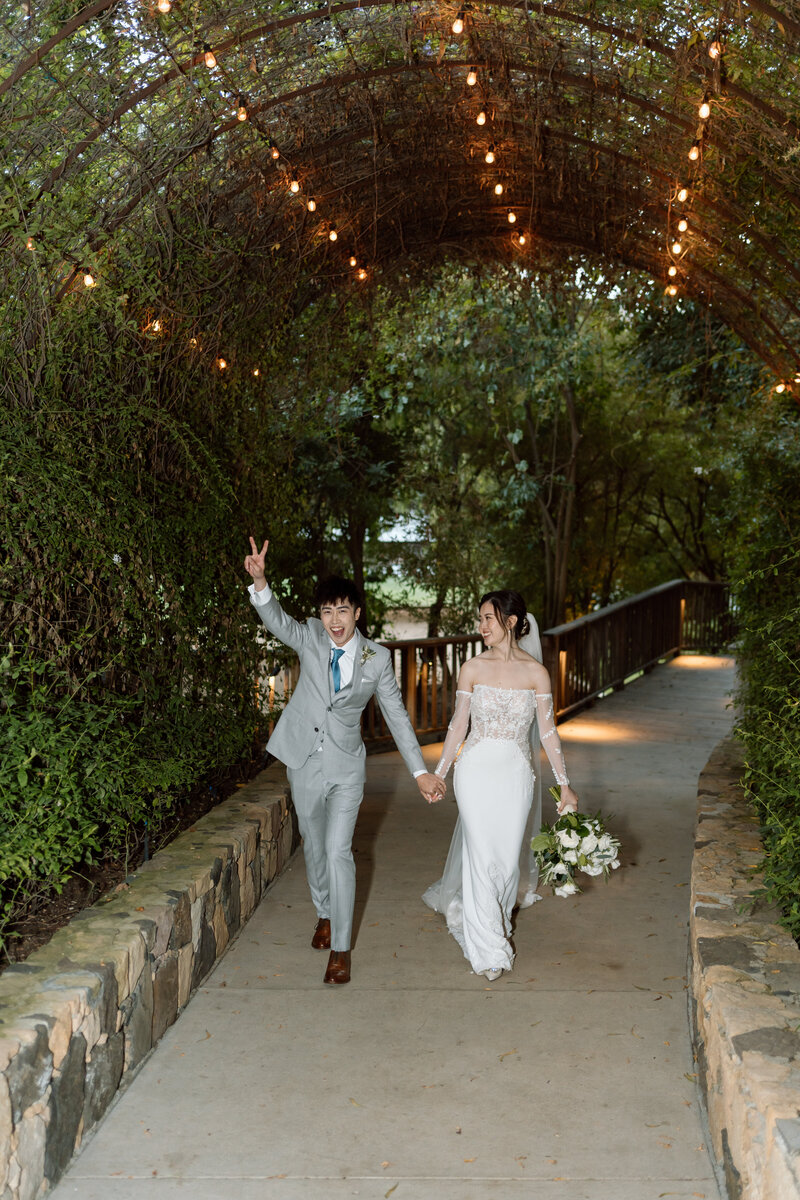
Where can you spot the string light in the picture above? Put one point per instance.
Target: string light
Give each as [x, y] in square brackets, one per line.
[294, 185]
[498, 189]
[164, 6]
[29, 243]
[677, 248]
[522, 239]
[362, 274]
[458, 24]
[311, 204]
[222, 364]
[481, 118]
[472, 77]
[672, 270]
[490, 155]
[694, 153]
[683, 195]
[241, 111]
[704, 111]
[275, 151]
[781, 387]
[715, 49]
[208, 56]
[671, 290]
[193, 342]
[332, 235]
[89, 280]
[156, 326]
[256, 372]
[683, 226]
[512, 216]
[353, 260]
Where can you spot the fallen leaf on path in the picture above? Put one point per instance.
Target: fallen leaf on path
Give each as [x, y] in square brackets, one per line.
[691, 1078]
[204, 1039]
[385, 1165]
[469, 1160]
[506, 1054]
[355, 1103]
[635, 1034]
[391, 1189]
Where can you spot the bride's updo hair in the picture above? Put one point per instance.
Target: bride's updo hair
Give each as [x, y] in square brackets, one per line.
[509, 604]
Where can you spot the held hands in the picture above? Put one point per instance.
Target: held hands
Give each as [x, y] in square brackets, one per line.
[254, 564]
[432, 787]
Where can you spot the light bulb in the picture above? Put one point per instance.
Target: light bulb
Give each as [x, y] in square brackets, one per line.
[715, 49]
[671, 290]
[522, 239]
[704, 111]
[481, 118]
[489, 155]
[353, 260]
[512, 216]
[458, 24]
[472, 78]
[672, 271]
[332, 235]
[294, 186]
[221, 363]
[164, 6]
[275, 152]
[29, 243]
[683, 195]
[694, 153]
[192, 341]
[241, 112]
[683, 226]
[88, 280]
[498, 189]
[677, 248]
[208, 56]
[156, 326]
[256, 372]
[311, 204]
[780, 388]
[362, 274]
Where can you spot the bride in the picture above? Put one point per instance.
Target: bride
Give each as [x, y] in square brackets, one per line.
[504, 698]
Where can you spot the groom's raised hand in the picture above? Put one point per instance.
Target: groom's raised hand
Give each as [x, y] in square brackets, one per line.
[254, 565]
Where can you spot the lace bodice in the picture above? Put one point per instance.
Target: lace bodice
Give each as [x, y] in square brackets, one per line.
[503, 714]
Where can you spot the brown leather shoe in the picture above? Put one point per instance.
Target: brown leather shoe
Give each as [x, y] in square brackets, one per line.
[338, 967]
[322, 935]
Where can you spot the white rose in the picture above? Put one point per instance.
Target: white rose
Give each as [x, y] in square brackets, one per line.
[567, 837]
[614, 865]
[571, 856]
[567, 889]
[592, 869]
[604, 842]
[589, 844]
[559, 869]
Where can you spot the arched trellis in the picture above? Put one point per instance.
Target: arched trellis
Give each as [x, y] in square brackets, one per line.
[372, 81]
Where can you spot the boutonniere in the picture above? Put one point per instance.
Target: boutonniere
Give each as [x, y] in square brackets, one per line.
[366, 654]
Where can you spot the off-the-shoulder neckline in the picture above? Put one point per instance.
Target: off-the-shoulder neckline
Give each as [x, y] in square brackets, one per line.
[492, 688]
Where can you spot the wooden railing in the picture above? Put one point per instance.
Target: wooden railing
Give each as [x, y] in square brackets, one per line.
[586, 658]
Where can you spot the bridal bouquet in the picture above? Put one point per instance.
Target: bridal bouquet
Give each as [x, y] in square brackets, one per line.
[574, 843]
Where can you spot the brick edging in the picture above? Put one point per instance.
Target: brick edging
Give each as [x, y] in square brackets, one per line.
[81, 1014]
[745, 995]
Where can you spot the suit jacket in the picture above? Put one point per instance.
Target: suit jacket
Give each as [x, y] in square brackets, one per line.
[317, 716]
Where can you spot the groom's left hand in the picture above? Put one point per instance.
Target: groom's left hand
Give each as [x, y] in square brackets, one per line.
[431, 786]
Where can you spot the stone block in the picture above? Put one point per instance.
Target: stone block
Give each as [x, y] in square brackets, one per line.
[165, 995]
[185, 967]
[137, 1020]
[205, 954]
[103, 1073]
[6, 1130]
[29, 1073]
[182, 921]
[30, 1153]
[66, 1110]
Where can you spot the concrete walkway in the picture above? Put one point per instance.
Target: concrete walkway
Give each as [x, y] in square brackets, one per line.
[570, 1078]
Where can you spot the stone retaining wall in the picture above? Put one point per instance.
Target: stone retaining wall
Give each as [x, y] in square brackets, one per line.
[745, 987]
[79, 1017]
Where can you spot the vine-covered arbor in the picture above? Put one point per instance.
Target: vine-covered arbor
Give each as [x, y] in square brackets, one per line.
[317, 142]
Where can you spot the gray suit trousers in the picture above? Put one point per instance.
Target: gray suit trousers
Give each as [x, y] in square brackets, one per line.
[326, 813]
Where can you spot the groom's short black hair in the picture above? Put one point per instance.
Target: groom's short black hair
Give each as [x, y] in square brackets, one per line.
[334, 588]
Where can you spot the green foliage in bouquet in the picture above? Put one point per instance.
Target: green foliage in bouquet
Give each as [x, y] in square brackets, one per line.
[575, 842]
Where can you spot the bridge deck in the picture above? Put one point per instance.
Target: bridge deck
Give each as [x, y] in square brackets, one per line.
[569, 1078]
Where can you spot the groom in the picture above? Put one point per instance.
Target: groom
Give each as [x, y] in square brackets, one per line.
[318, 737]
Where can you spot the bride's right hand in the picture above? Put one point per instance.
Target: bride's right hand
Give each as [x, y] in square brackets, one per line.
[568, 800]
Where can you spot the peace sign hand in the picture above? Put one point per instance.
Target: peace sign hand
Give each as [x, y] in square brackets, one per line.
[254, 564]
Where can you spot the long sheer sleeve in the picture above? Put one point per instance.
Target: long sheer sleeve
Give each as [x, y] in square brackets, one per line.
[456, 732]
[550, 739]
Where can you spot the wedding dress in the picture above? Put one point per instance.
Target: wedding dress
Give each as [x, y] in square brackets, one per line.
[490, 865]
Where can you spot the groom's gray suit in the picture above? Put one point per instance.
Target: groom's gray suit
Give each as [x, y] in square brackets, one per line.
[318, 737]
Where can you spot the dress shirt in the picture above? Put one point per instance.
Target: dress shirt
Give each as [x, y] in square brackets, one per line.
[347, 662]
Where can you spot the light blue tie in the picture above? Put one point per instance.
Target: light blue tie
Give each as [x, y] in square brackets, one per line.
[337, 675]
